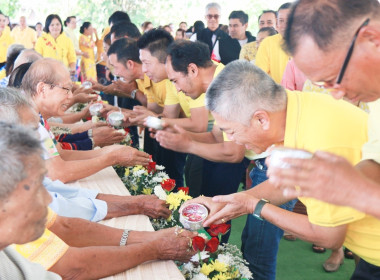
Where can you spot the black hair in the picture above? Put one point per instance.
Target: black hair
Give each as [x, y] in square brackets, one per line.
[243, 17]
[11, 59]
[183, 22]
[198, 26]
[285, 6]
[184, 52]
[38, 23]
[15, 79]
[125, 49]
[84, 26]
[271, 31]
[117, 17]
[305, 20]
[182, 31]
[125, 29]
[68, 19]
[157, 42]
[267, 12]
[107, 39]
[48, 21]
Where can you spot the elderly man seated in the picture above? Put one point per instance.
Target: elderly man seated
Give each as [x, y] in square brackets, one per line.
[23, 201]
[48, 83]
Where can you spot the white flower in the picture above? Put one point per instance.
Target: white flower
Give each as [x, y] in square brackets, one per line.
[204, 255]
[244, 271]
[157, 179]
[138, 173]
[160, 167]
[225, 259]
[188, 266]
[163, 175]
[200, 276]
[159, 191]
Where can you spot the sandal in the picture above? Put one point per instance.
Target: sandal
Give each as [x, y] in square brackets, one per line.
[318, 249]
[348, 254]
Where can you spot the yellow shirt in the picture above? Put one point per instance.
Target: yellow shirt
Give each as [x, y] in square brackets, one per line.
[5, 41]
[371, 150]
[26, 37]
[47, 249]
[61, 49]
[173, 97]
[248, 51]
[155, 92]
[73, 35]
[319, 122]
[271, 58]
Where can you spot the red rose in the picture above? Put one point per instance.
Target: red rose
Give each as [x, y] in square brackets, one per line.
[215, 230]
[212, 245]
[168, 184]
[198, 243]
[151, 167]
[184, 189]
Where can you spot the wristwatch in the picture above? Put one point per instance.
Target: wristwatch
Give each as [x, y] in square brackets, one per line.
[259, 206]
[133, 93]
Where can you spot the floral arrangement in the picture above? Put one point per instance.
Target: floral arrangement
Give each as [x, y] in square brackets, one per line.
[214, 261]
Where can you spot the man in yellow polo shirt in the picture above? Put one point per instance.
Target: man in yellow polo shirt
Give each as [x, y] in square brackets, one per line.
[270, 56]
[261, 114]
[24, 35]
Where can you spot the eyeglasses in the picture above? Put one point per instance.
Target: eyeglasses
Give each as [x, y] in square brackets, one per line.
[213, 16]
[346, 60]
[68, 90]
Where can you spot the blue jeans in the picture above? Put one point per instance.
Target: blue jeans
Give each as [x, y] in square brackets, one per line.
[260, 239]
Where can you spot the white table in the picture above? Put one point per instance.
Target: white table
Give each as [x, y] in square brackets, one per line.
[107, 181]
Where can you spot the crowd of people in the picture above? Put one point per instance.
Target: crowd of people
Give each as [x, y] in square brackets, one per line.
[225, 98]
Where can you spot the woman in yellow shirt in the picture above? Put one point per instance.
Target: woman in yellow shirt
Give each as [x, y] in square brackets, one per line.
[55, 44]
[5, 41]
[86, 45]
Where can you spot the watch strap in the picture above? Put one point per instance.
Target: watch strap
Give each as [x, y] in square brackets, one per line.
[133, 93]
[259, 207]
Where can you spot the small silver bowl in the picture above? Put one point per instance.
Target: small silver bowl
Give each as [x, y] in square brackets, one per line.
[193, 216]
[87, 84]
[154, 123]
[278, 154]
[95, 109]
[115, 119]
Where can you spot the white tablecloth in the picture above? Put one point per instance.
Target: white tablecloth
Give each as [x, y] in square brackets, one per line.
[107, 181]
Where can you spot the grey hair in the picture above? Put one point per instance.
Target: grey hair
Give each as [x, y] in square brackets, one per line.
[240, 89]
[16, 144]
[11, 101]
[43, 70]
[213, 5]
[26, 56]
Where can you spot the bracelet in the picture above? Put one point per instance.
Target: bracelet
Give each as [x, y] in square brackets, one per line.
[89, 133]
[133, 93]
[124, 237]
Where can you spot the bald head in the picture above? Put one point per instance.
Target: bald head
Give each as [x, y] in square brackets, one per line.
[27, 56]
[327, 22]
[46, 70]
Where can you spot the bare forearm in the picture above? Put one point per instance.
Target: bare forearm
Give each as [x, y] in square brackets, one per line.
[98, 262]
[267, 191]
[218, 152]
[120, 205]
[68, 171]
[203, 137]
[72, 118]
[188, 124]
[69, 155]
[370, 169]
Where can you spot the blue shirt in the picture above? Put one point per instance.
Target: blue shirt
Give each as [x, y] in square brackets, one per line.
[75, 202]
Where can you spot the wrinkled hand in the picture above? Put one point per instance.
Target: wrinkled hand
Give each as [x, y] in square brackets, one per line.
[235, 205]
[153, 207]
[95, 85]
[89, 124]
[84, 97]
[171, 246]
[325, 176]
[104, 136]
[141, 114]
[212, 206]
[128, 156]
[177, 141]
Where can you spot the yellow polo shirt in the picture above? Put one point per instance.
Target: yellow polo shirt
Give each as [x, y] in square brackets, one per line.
[319, 122]
[155, 92]
[173, 97]
[371, 149]
[5, 41]
[271, 58]
[26, 37]
[46, 250]
[61, 49]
